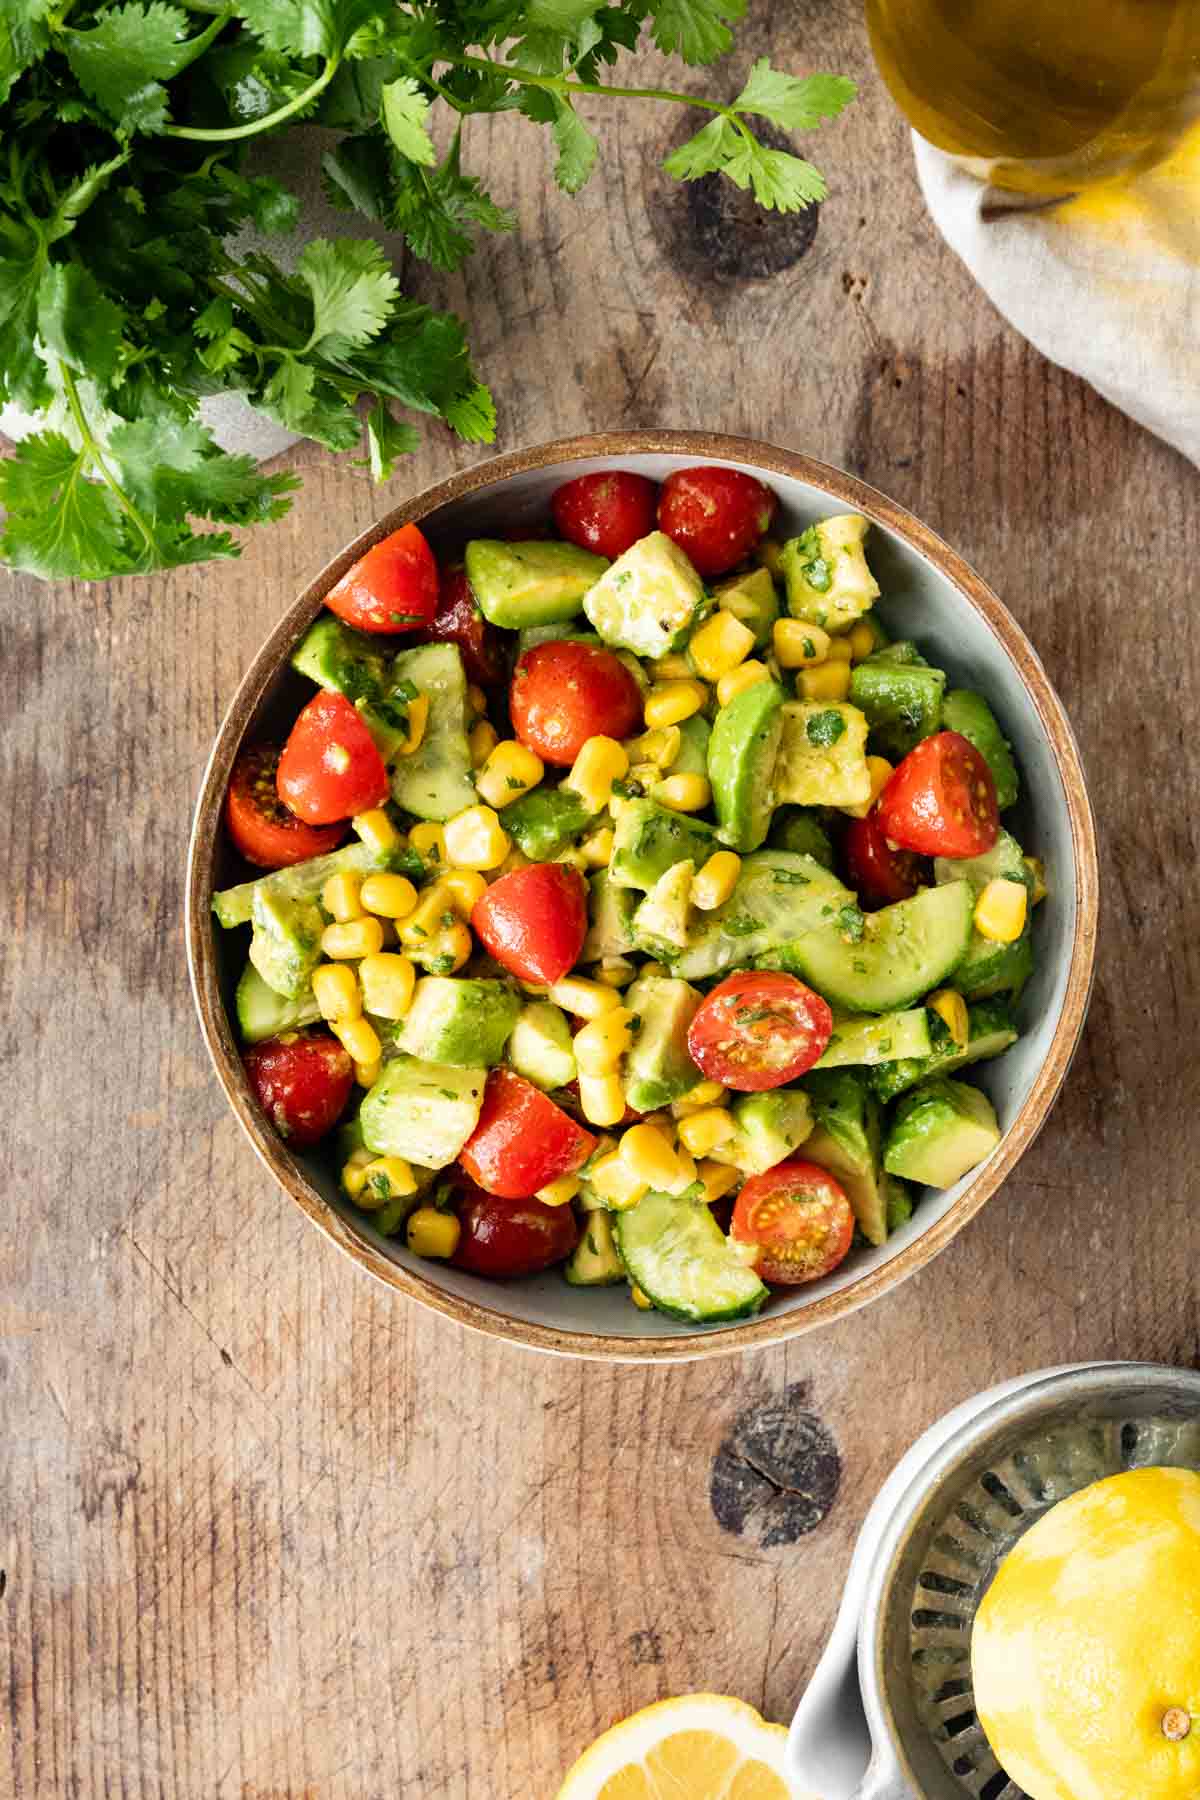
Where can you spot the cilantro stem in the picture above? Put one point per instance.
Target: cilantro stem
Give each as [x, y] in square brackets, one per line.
[559, 84]
[229, 134]
[92, 448]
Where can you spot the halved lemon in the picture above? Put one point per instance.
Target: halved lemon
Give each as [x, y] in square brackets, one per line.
[696, 1747]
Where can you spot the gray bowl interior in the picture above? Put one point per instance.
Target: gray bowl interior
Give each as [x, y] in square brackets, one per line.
[920, 603]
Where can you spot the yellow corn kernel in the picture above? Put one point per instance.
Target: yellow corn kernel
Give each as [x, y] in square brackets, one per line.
[1037, 869]
[601, 1044]
[658, 971]
[615, 971]
[721, 643]
[516, 859]
[951, 1009]
[476, 700]
[354, 1172]
[601, 1098]
[798, 644]
[464, 888]
[862, 642]
[475, 840]
[336, 990]
[586, 999]
[640, 1300]
[716, 1180]
[367, 1074]
[1000, 911]
[428, 839]
[341, 897]
[828, 681]
[510, 771]
[616, 1182]
[418, 718]
[647, 1151]
[452, 947]
[704, 1130]
[597, 849]
[880, 770]
[376, 829]
[840, 650]
[359, 1037]
[359, 937]
[715, 881]
[683, 793]
[391, 896]
[434, 910]
[674, 667]
[388, 981]
[687, 1169]
[432, 1233]
[387, 1178]
[705, 1093]
[671, 702]
[481, 741]
[744, 676]
[659, 747]
[600, 762]
[560, 1192]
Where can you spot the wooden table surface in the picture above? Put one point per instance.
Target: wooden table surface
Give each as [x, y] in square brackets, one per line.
[269, 1530]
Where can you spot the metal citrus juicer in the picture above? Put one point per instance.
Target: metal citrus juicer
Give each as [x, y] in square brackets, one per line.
[889, 1713]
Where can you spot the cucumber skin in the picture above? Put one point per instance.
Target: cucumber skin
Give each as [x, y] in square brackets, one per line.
[292, 1015]
[673, 1311]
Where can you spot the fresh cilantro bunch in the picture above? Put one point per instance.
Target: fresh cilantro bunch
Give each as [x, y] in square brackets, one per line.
[124, 131]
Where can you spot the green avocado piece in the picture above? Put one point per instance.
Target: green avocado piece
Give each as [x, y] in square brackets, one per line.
[657, 1067]
[660, 924]
[778, 897]
[754, 601]
[422, 1111]
[352, 663]
[845, 1140]
[262, 1013]
[694, 735]
[990, 1032]
[822, 757]
[970, 715]
[610, 911]
[742, 755]
[540, 1045]
[435, 781]
[825, 569]
[648, 839]
[648, 600]
[770, 1126]
[989, 968]
[545, 821]
[898, 1201]
[901, 700]
[538, 583]
[594, 1261]
[940, 1132]
[286, 945]
[799, 828]
[454, 1019]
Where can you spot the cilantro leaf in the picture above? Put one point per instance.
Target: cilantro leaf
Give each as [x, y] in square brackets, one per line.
[706, 153]
[432, 207]
[780, 181]
[577, 150]
[123, 60]
[24, 38]
[59, 524]
[352, 287]
[473, 415]
[387, 440]
[796, 103]
[168, 467]
[695, 28]
[405, 111]
[78, 321]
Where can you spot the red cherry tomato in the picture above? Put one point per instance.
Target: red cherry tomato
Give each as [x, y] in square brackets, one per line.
[534, 921]
[459, 621]
[302, 1081]
[394, 587]
[263, 829]
[878, 874]
[330, 767]
[716, 516]
[941, 801]
[511, 1237]
[759, 1030]
[801, 1218]
[522, 1141]
[563, 693]
[605, 512]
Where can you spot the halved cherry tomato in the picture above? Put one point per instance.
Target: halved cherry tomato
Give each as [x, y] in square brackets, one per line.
[941, 801]
[606, 512]
[503, 1238]
[330, 767]
[759, 1030]
[715, 515]
[394, 587]
[302, 1081]
[522, 1141]
[534, 921]
[878, 873]
[263, 829]
[563, 693]
[459, 621]
[800, 1217]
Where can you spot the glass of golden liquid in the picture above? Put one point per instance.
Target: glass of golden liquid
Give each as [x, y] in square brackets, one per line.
[1043, 96]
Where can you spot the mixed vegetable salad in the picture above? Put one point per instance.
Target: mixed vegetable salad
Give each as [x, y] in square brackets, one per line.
[632, 902]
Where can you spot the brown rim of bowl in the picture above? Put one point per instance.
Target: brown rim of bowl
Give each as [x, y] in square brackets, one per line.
[770, 1328]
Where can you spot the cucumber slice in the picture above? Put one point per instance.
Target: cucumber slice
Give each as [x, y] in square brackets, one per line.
[262, 1013]
[435, 781]
[903, 952]
[675, 1251]
[741, 763]
[858, 1042]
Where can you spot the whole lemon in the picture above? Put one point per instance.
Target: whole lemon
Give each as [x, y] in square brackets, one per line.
[1085, 1651]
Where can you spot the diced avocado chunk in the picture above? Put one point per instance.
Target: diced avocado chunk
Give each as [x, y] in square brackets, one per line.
[454, 1019]
[769, 1127]
[262, 1013]
[594, 1261]
[286, 945]
[538, 583]
[990, 1032]
[648, 600]
[540, 1045]
[970, 715]
[753, 600]
[825, 568]
[900, 698]
[304, 880]
[845, 1141]
[694, 736]
[352, 663]
[648, 839]
[742, 763]
[940, 1132]
[422, 1111]
[434, 782]
[898, 1202]
[610, 910]
[990, 968]
[545, 821]
[866, 1042]
[799, 828]
[779, 896]
[822, 755]
[660, 924]
[888, 960]
[657, 1067]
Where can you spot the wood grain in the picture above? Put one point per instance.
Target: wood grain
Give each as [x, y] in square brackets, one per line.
[270, 1532]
